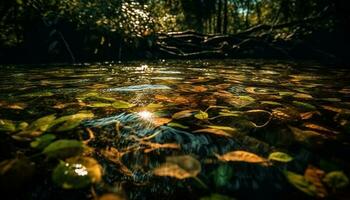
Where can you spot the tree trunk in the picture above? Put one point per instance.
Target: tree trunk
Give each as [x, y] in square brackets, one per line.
[219, 20]
[225, 17]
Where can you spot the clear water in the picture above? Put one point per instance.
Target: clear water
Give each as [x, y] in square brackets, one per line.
[255, 106]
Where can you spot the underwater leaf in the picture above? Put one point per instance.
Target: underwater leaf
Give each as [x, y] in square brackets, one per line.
[280, 157]
[77, 173]
[201, 115]
[64, 148]
[180, 167]
[122, 104]
[42, 141]
[213, 131]
[336, 180]
[304, 135]
[314, 176]
[304, 105]
[222, 175]
[215, 196]
[183, 114]
[241, 156]
[301, 183]
[7, 125]
[177, 125]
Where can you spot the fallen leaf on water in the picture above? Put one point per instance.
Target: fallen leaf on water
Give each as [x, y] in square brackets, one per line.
[199, 89]
[280, 157]
[303, 96]
[336, 180]
[64, 148]
[272, 103]
[213, 131]
[304, 105]
[177, 125]
[114, 155]
[42, 141]
[77, 173]
[201, 115]
[180, 167]
[318, 127]
[241, 156]
[122, 104]
[309, 115]
[183, 114]
[240, 101]
[301, 183]
[314, 176]
[215, 196]
[159, 121]
[7, 125]
[154, 146]
[224, 128]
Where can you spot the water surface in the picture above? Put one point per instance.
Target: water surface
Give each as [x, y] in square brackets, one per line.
[180, 129]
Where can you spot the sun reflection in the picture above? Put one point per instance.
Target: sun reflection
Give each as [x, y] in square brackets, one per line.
[145, 115]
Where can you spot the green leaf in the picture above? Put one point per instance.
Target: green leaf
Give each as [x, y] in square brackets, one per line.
[122, 104]
[301, 183]
[69, 125]
[201, 115]
[177, 125]
[336, 180]
[182, 114]
[77, 173]
[42, 123]
[38, 94]
[240, 101]
[280, 157]
[99, 105]
[304, 105]
[64, 148]
[42, 141]
[272, 103]
[71, 121]
[7, 125]
[286, 94]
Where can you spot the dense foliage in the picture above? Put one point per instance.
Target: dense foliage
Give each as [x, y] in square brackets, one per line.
[95, 29]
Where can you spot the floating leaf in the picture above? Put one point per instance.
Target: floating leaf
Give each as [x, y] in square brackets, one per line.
[177, 125]
[303, 96]
[304, 105]
[272, 103]
[183, 114]
[71, 121]
[241, 156]
[122, 104]
[7, 125]
[240, 101]
[330, 99]
[286, 94]
[42, 141]
[301, 183]
[224, 128]
[213, 131]
[309, 115]
[314, 176]
[199, 88]
[64, 148]
[154, 106]
[69, 125]
[201, 115]
[280, 157]
[99, 105]
[38, 94]
[36, 128]
[336, 180]
[180, 167]
[159, 121]
[77, 173]
[228, 113]
[304, 136]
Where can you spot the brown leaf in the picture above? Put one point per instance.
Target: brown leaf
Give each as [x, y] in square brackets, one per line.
[199, 88]
[183, 114]
[318, 128]
[314, 176]
[180, 167]
[303, 96]
[242, 156]
[153, 146]
[112, 154]
[308, 115]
